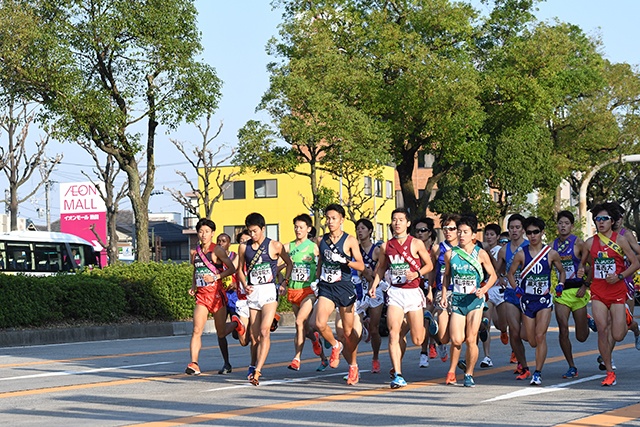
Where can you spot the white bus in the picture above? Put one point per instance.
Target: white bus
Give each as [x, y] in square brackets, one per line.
[43, 253]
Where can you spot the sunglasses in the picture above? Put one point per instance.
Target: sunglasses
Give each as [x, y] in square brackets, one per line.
[422, 230]
[503, 241]
[534, 232]
[602, 218]
[450, 228]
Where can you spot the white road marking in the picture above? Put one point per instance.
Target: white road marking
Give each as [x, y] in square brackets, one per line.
[278, 382]
[533, 390]
[90, 371]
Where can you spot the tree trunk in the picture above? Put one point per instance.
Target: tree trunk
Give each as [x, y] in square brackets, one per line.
[405, 175]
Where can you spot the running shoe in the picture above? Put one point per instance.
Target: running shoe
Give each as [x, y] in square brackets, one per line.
[638, 342]
[443, 352]
[398, 381]
[424, 360]
[462, 365]
[468, 381]
[536, 379]
[451, 379]
[375, 366]
[504, 337]
[433, 325]
[226, 369]
[192, 369]
[254, 378]
[518, 370]
[602, 366]
[571, 373]
[240, 328]
[392, 373]
[524, 375]
[433, 353]
[513, 359]
[610, 379]
[294, 365]
[323, 365]
[629, 315]
[274, 324]
[592, 323]
[354, 375]
[486, 362]
[484, 330]
[317, 346]
[250, 371]
[327, 344]
[334, 360]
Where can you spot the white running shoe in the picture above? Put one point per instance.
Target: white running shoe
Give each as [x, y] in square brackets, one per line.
[486, 362]
[424, 360]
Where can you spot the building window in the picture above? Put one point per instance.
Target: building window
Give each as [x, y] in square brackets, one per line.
[233, 231]
[425, 160]
[273, 231]
[265, 188]
[234, 190]
[379, 232]
[367, 185]
[389, 185]
[378, 183]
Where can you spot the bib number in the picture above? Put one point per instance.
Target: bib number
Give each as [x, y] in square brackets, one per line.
[301, 273]
[261, 274]
[602, 267]
[331, 273]
[537, 285]
[569, 268]
[464, 284]
[399, 273]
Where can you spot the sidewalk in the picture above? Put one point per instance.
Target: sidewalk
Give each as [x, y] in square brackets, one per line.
[29, 337]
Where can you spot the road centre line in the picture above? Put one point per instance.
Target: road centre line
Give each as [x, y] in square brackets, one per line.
[532, 391]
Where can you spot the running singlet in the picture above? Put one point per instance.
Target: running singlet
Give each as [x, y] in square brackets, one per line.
[605, 260]
[264, 269]
[569, 261]
[304, 264]
[201, 268]
[464, 277]
[402, 261]
[229, 281]
[538, 281]
[509, 257]
[334, 271]
[440, 267]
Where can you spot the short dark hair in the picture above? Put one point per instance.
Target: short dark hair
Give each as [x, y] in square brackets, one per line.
[366, 223]
[612, 209]
[469, 220]
[335, 207]
[224, 235]
[207, 222]
[244, 232]
[534, 221]
[254, 219]
[303, 218]
[430, 225]
[493, 227]
[566, 214]
[402, 211]
[445, 218]
[515, 217]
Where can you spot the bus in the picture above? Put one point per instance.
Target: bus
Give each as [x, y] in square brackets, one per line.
[44, 253]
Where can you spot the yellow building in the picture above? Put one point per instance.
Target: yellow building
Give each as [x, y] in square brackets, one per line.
[280, 197]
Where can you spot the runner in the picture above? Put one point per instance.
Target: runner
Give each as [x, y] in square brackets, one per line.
[407, 260]
[512, 309]
[260, 257]
[208, 260]
[424, 230]
[465, 265]
[339, 252]
[370, 308]
[304, 255]
[605, 253]
[574, 297]
[535, 262]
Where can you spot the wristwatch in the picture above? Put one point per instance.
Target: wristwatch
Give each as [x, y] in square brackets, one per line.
[620, 276]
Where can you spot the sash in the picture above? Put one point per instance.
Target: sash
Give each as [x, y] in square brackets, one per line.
[256, 257]
[334, 249]
[468, 258]
[544, 251]
[366, 256]
[206, 261]
[402, 250]
[611, 244]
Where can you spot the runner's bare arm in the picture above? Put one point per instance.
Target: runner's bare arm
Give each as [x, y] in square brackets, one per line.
[554, 258]
[381, 268]
[446, 279]
[222, 256]
[357, 263]
[518, 260]
[487, 262]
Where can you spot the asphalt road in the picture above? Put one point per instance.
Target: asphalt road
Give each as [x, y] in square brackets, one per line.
[141, 382]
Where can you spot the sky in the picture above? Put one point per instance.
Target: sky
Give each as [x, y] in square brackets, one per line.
[234, 37]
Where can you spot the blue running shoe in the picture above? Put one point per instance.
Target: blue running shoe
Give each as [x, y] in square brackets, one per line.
[537, 378]
[468, 381]
[251, 371]
[323, 365]
[398, 381]
[592, 323]
[571, 373]
[462, 365]
[433, 325]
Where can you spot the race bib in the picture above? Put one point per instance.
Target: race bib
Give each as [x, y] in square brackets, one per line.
[200, 273]
[301, 272]
[569, 268]
[464, 284]
[399, 273]
[330, 273]
[602, 267]
[537, 285]
[261, 274]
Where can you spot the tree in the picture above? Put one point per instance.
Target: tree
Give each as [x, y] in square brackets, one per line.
[111, 72]
[17, 165]
[207, 169]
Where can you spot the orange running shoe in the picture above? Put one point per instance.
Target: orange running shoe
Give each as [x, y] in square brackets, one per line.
[294, 365]
[334, 359]
[240, 328]
[451, 379]
[354, 375]
[433, 354]
[254, 378]
[524, 375]
[610, 379]
[375, 366]
[504, 337]
[513, 359]
[192, 369]
[317, 347]
[274, 324]
[629, 316]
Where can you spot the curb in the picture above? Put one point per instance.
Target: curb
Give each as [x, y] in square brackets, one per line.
[109, 332]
